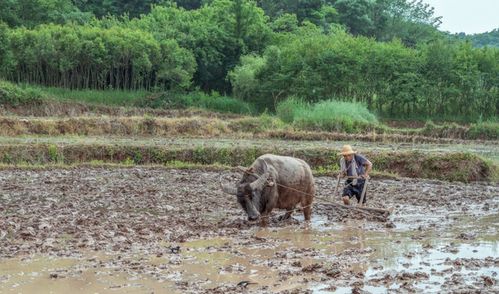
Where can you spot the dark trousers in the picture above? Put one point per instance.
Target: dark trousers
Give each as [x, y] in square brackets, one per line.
[350, 190]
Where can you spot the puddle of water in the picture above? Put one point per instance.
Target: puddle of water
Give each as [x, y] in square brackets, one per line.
[391, 247]
[348, 290]
[212, 262]
[36, 275]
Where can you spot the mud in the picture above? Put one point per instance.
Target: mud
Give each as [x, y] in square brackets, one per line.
[155, 230]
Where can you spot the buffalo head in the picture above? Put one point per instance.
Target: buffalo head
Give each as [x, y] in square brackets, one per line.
[249, 190]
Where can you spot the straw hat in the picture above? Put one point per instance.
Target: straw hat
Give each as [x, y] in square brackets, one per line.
[347, 150]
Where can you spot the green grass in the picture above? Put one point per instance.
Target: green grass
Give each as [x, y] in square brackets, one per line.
[451, 166]
[100, 97]
[331, 115]
[11, 94]
[484, 130]
[24, 93]
[217, 102]
[327, 115]
[383, 116]
[213, 102]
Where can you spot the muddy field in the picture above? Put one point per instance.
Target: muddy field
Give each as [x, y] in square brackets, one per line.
[151, 230]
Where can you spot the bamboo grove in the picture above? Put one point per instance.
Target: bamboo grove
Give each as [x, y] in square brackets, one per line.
[73, 56]
[262, 54]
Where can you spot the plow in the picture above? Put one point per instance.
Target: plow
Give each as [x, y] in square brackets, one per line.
[376, 213]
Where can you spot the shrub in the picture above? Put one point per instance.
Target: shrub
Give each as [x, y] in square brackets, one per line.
[330, 115]
[484, 130]
[13, 95]
[288, 109]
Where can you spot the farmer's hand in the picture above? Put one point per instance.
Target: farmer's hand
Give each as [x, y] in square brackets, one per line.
[365, 176]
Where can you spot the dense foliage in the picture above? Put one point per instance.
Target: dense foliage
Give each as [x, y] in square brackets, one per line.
[30, 13]
[386, 54]
[435, 79]
[490, 39]
[76, 56]
[13, 95]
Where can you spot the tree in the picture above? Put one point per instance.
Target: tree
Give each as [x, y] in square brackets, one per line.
[243, 77]
[412, 21]
[73, 56]
[355, 15]
[490, 39]
[30, 13]
[190, 4]
[100, 8]
[285, 23]
[4, 45]
[218, 34]
[318, 12]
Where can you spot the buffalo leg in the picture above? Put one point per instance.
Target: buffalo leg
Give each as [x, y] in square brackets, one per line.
[307, 209]
[307, 212]
[307, 203]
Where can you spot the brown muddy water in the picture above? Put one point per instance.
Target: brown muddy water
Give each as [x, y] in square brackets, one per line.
[145, 230]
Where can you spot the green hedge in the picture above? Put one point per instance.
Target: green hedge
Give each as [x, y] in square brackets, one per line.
[13, 95]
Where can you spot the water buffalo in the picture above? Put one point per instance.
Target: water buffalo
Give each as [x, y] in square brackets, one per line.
[274, 181]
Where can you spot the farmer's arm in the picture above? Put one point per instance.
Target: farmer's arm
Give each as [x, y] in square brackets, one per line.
[343, 169]
[368, 166]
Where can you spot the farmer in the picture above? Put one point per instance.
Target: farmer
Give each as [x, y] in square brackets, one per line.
[356, 167]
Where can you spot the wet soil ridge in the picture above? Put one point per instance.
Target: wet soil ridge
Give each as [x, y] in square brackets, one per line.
[453, 166]
[205, 124]
[179, 228]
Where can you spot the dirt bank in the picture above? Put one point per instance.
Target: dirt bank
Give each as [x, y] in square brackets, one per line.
[172, 230]
[453, 166]
[53, 108]
[167, 123]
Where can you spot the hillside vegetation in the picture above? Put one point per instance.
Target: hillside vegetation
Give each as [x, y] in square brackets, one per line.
[488, 39]
[140, 113]
[387, 55]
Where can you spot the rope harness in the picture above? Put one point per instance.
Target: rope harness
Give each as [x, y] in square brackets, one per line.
[296, 190]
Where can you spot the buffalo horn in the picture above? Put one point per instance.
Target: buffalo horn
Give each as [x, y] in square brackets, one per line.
[262, 180]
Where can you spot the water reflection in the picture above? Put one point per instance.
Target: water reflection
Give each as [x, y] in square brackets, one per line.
[372, 252]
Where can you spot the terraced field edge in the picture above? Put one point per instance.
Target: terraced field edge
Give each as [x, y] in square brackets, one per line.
[456, 166]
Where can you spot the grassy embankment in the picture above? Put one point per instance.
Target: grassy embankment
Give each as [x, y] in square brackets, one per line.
[204, 124]
[423, 163]
[26, 95]
[294, 120]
